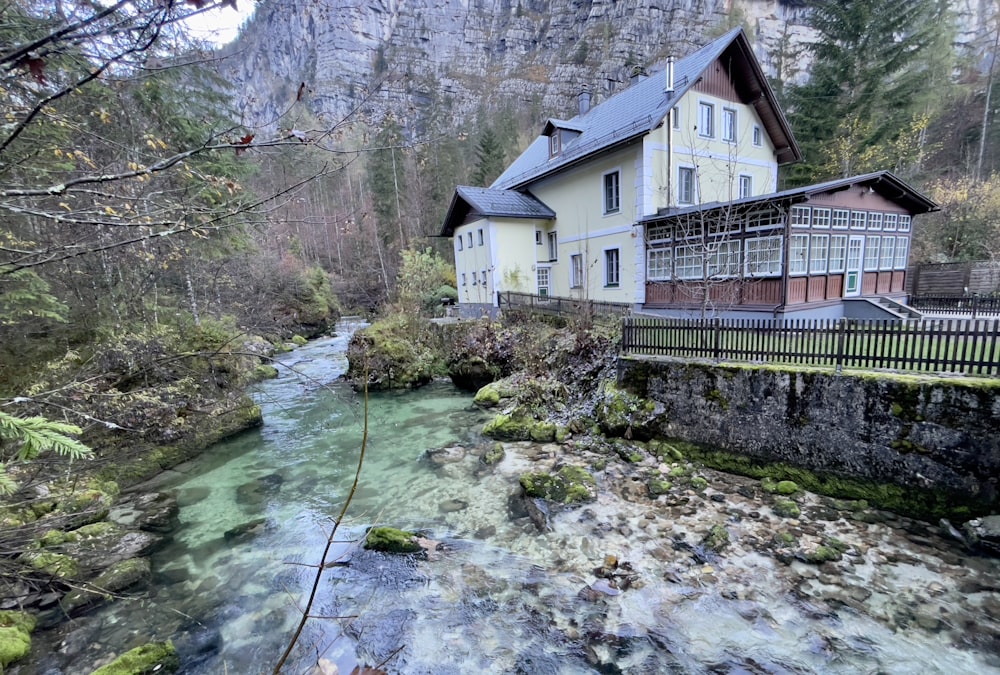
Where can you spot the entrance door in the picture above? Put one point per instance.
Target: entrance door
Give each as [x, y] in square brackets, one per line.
[852, 276]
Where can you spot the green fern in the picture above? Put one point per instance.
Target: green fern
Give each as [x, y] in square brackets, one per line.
[34, 435]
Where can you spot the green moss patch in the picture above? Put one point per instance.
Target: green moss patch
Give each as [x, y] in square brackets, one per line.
[568, 485]
[15, 636]
[155, 657]
[786, 508]
[391, 540]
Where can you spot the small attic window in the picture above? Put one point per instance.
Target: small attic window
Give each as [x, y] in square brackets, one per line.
[555, 143]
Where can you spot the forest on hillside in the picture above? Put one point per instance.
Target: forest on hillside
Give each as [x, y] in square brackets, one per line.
[146, 231]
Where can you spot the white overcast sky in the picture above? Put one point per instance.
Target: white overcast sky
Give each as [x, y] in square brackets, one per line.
[220, 25]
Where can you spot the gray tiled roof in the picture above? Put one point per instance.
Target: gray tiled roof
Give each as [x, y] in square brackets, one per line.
[633, 112]
[506, 203]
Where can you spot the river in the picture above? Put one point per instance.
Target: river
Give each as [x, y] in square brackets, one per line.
[498, 596]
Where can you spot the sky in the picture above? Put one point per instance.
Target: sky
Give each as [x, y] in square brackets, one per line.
[220, 25]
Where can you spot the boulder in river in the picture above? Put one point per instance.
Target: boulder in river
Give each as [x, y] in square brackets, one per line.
[984, 533]
[391, 540]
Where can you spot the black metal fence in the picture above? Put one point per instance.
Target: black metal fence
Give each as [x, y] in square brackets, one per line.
[970, 347]
[973, 305]
[562, 306]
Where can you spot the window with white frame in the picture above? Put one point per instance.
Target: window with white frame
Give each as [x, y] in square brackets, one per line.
[891, 221]
[841, 219]
[544, 274]
[800, 216]
[459, 240]
[658, 233]
[746, 186]
[821, 219]
[483, 275]
[688, 262]
[888, 253]
[658, 261]
[729, 125]
[858, 219]
[838, 253]
[798, 254]
[555, 144]
[904, 222]
[871, 253]
[480, 236]
[762, 257]
[470, 239]
[677, 117]
[463, 279]
[612, 267]
[875, 220]
[612, 192]
[902, 246]
[538, 237]
[758, 136]
[706, 120]
[724, 260]
[576, 270]
[685, 185]
[819, 251]
[553, 246]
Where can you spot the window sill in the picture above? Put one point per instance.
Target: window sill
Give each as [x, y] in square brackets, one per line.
[611, 285]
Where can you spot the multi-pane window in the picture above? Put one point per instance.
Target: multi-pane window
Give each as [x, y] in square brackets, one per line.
[746, 186]
[841, 218]
[544, 274]
[838, 249]
[685, 185]
[821, 219]
[763, 257]
[858, 219]
[706, 120]
[729, 125]
[818, 252]
[612, 267]
[553, 246]
[724, 260]
[688, 262]
[658, 262]
[904, 222]
[888, 252]
[800, 216]
[890, 222]
[902, 244]
[555, 144]
[758, 136]
[875, 220]
[871, 253]
[612, 192]
[798, 250]
[576, 270]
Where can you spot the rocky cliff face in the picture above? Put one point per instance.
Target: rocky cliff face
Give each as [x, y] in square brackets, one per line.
[425, 58]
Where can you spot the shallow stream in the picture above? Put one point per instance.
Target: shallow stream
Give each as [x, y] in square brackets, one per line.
[501, 597]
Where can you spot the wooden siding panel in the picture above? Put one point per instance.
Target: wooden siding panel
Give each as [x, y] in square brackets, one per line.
[762, 292]
[715, 81]
[797, 290]
[817, 289]
[730, 294]
[884, 283]
[869, 283]
[898, 281]
[835, 286]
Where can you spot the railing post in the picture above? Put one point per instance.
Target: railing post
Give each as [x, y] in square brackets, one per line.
[716, 339]
[841, 337]
[975, 306]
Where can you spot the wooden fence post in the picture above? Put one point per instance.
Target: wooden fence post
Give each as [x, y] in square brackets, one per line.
[841, 338]
[717, 339]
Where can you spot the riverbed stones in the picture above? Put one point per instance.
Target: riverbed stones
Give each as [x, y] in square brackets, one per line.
[984, 533]
[450, 454]
[391, 540]
[254, 492]
[153, 512]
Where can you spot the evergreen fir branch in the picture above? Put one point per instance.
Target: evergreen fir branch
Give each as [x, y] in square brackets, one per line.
[7, 484]
[37, 435]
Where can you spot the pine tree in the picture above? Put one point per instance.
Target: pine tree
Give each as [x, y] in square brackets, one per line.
[490, 158]
[872, 78]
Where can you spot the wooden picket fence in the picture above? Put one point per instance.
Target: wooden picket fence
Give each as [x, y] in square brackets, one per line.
[974, 305]
[969, 347]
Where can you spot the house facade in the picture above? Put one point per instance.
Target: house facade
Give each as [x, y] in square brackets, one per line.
[664, 197]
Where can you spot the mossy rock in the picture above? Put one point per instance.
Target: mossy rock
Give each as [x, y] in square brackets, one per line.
[785, 539]
[568, 485]
[494, 455]
[154, 657]
[55, 564]
[786, 508]
[487, 397]
[264, 371]
[542, 432]
[620, 413]
[118, 577]
[513, 428]
[699, 483]
[15, 636]
[786, 487]
[562, 435]
[658, 487]
[679, 472]
[391, 540]
[717, 538]
[822, 554]
[299, 341]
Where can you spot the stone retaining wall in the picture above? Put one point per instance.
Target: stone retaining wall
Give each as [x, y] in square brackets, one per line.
[937, 434]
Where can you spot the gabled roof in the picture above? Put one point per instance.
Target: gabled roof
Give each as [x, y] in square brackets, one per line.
[487, 202]
[642, 107]
[883, 182]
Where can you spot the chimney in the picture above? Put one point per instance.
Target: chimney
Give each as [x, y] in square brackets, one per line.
[584, 98]
[670, 75]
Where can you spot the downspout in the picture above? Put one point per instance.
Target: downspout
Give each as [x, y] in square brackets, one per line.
[668, 129]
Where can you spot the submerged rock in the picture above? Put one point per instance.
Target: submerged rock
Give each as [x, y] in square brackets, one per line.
[567, 485]
[391, 540]
[984, 533]
[245, 531]
[154, 657]
[118, 577]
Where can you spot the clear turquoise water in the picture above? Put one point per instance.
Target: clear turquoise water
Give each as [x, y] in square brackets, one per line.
[500, 597]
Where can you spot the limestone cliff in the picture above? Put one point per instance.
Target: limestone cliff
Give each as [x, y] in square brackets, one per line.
[451, 56]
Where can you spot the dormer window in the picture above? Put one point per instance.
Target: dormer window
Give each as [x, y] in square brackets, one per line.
[555, 143]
